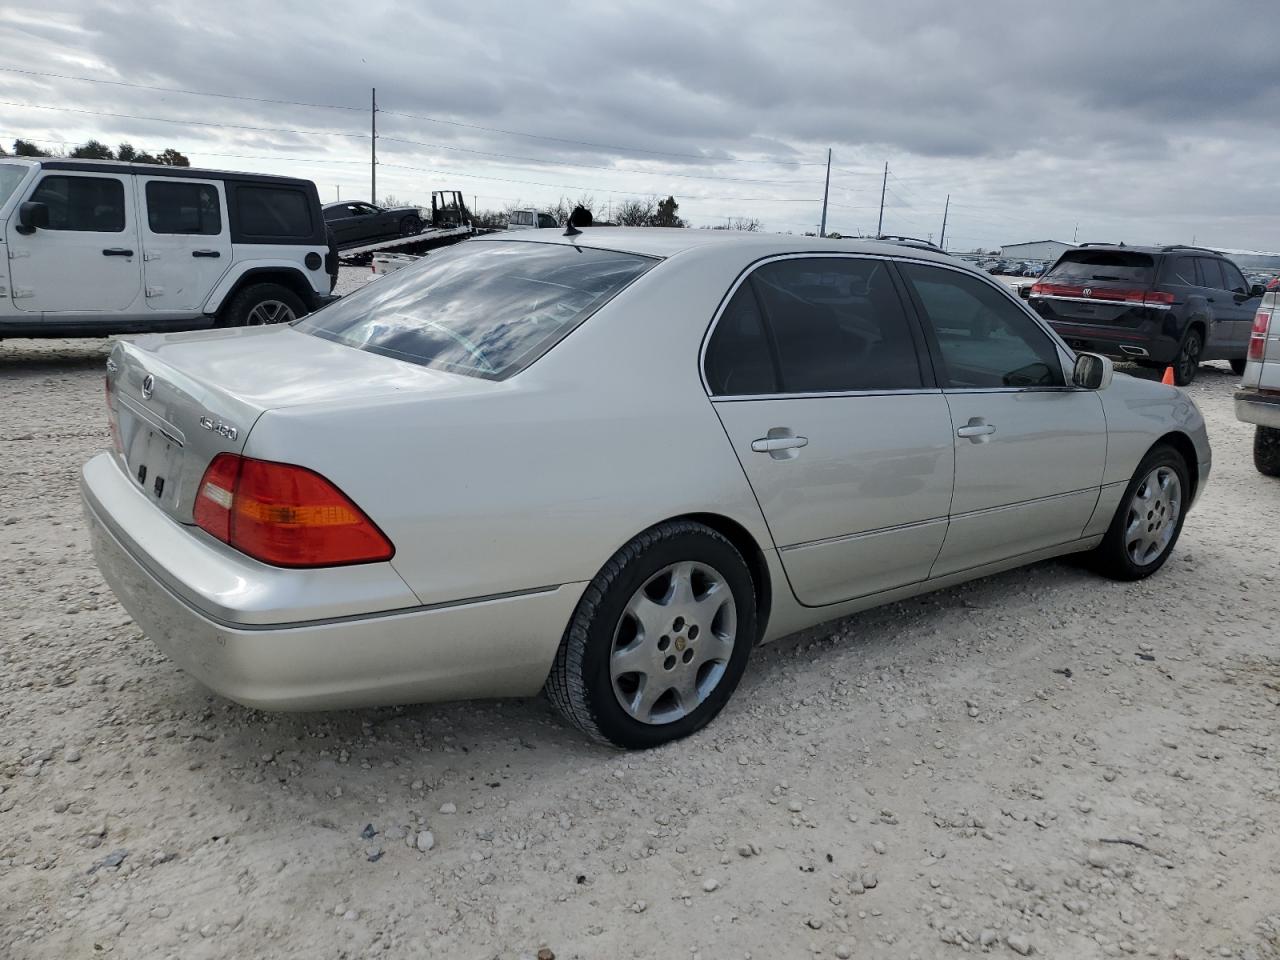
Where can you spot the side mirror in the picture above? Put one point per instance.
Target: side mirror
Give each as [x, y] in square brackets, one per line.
[1257, 290]
[32, 216]
[1024, 291]
[1092, 372]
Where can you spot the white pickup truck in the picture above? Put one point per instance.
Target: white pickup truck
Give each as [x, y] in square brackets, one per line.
[530, 220]
[1258, 399]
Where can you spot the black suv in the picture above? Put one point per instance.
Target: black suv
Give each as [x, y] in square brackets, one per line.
[1174, 305]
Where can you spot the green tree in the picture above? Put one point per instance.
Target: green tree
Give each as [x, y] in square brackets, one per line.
[172, 158]
[666, 216]
[92, 150]
[25, 148]
[126, 151]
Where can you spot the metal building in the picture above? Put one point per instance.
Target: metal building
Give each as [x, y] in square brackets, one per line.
[1035, 250]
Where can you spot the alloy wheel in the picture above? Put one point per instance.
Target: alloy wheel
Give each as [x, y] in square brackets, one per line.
[1152, 517]
[270, 311]
[1189, 357]
[673, 642]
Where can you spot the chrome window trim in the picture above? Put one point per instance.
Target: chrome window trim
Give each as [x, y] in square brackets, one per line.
[751, 268]
[822, 395]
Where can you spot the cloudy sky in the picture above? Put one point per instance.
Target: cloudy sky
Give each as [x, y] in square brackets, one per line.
[1133, 121]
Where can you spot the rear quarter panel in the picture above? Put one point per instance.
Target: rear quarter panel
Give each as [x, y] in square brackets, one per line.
[538, 480]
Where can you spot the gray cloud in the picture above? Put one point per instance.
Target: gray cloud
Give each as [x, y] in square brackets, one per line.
[1137, 121]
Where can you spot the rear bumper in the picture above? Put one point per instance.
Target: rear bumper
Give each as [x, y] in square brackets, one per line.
[1260, 408]
[499, 646]
[1124, 343]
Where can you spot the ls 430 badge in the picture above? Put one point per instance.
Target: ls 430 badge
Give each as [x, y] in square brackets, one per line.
[224, 430]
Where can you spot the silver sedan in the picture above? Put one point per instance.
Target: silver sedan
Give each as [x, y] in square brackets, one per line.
[607, 466]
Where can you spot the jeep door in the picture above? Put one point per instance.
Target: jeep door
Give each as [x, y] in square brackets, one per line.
[87, 260]
[186, 241]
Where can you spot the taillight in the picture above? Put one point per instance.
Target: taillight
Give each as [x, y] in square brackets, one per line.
[285, 515]
[1258, 336]
[1161, 297]
[1137, 295]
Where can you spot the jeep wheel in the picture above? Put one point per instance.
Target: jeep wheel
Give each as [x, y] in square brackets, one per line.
[260, 304]
[1266, 451]
[1187, 362]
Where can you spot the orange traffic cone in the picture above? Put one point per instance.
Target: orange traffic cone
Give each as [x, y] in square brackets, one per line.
[1168, 376]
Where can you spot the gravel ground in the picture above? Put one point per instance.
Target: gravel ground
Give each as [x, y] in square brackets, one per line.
[1041, 763]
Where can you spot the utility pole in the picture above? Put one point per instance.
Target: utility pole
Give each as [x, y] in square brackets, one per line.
[1075, 234]
[942, 239]
[338, 187]
[373, 146]
[883, 184]
[822, 227]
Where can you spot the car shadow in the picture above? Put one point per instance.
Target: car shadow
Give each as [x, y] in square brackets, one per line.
[30, 358]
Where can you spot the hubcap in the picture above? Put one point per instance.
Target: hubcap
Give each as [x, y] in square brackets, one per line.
[1153, 516]
[673, 642]
[270, 311]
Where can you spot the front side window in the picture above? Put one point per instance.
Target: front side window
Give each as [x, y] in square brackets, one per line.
[273, 212]
[545, 220]
[837, 325]
[91, 204]
[486, 309]
[189, 208]
[1234, 278]
[984, 338]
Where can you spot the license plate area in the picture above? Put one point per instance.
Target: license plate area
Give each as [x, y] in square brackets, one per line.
[154, 457]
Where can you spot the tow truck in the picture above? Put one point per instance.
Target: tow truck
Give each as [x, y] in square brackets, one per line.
[450, 221]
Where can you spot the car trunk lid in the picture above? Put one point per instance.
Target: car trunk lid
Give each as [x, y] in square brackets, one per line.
[177, 401]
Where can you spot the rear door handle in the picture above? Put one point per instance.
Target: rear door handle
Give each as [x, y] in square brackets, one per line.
[206, 253]
[976, 430]
[770, 444]
[117, 252]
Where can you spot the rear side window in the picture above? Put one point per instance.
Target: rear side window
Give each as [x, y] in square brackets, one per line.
[273, 212]
[484, 309]
[985, 339]
[91, 204]
[1088, 264]
[1182, 270]
[837, 324]
[335, 213]
[740, 361]
[190, 208]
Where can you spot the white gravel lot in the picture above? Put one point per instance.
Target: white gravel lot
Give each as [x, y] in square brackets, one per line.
[1039, 763]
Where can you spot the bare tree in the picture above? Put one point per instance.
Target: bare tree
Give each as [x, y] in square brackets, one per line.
[635, 213]
[750, 224]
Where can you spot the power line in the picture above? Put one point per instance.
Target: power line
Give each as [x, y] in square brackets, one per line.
[198, 123]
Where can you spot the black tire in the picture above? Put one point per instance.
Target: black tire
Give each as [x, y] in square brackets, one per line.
[580, 685]
[1266, 451]
[240, 311]
[1111, 558]
[1187, 363]
[1237, 366]
[410, 226]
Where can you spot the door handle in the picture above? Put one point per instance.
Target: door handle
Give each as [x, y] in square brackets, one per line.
[117, 252]
[206, 253]
[976, 430]
[770, 444]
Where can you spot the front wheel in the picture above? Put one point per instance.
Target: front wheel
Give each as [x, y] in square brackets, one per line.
[1266, 451]
[659, 640]
[1149, 519]
[1187, 362]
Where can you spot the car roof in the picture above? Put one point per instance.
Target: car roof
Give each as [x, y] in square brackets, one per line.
[151, 170]
[1153, 251]
[668, 242]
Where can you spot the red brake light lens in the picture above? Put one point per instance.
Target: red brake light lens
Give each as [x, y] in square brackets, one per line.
[285, 515]
[1258, 336]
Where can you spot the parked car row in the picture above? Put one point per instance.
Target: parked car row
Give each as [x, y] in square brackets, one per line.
[1014, 268]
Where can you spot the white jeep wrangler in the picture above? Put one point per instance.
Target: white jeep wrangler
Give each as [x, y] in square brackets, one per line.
[92, 247]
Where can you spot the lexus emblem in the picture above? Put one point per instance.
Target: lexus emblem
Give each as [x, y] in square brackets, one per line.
[148, 386]
[1088, 291]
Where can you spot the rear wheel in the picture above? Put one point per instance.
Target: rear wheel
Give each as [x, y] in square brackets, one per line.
[1237, 366]
[659, 640]
[1149, 519]
[410, 226]
[1187, 362]
[1266, 451]
[260, 304]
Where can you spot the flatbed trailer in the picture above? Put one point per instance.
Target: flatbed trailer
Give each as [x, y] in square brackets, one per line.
[419, 243]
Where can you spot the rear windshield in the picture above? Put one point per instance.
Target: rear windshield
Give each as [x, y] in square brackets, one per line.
[486, 309]
[1103, 265]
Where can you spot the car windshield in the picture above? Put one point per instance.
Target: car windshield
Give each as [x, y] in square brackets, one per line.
[11, 175]
[485, 309]
[1103, 265]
